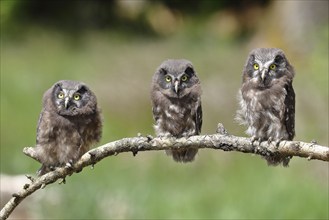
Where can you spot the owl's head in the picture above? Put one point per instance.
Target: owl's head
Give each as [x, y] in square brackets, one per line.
[72, 98]
[175, 78]
[265, 66]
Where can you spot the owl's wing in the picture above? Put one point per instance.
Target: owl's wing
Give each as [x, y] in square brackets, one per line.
[290, 110]
[39, 127]
[156, 113]
[198, 119]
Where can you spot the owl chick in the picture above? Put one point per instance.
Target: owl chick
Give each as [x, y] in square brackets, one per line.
[176, 104]
[267, 99]
[69, 123]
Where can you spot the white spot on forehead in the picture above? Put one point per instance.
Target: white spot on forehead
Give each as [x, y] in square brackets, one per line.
[68, 92]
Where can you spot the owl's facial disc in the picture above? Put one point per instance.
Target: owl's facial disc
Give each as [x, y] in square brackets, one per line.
[180, 83]
[65, 98]
[70, 100]
[176, 82]
[173, 84]
[264, 72]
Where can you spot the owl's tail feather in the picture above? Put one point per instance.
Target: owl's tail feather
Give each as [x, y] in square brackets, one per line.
[183, 156]
[276, 160]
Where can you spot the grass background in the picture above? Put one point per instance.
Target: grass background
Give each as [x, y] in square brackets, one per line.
[118, 67]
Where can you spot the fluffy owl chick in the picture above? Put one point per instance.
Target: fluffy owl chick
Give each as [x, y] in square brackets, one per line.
[267, 99]
[176, 104]
[69, 124]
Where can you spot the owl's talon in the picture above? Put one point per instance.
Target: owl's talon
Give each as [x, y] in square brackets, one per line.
[69, 164]
[254, 139]
[149, 138]
[277, 142]
[52, 168]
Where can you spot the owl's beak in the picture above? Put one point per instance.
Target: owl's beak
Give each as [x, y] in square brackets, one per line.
[66, 102]
[176, 85]
[263, 75]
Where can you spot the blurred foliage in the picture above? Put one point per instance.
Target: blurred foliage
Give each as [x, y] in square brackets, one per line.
[70, 16]
[117, 63]
[133, 16]
[207, 7]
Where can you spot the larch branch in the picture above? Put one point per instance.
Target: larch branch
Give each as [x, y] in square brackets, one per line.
[220, 141]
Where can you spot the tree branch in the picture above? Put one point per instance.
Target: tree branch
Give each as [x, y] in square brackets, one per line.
[221, 141]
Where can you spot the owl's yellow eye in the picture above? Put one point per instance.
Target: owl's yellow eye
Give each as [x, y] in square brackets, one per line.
[256, 66]
[168, 78]
[273, 66]
[60, 95]
[184, 78]
[76, 96]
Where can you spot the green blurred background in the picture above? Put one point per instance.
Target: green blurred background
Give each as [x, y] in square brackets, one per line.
[115, 47]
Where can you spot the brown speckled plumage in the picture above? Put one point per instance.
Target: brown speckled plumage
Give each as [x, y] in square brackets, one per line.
[65, 133]
[267, 98]
[176, 104]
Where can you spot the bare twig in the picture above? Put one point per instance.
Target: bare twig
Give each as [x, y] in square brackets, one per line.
[220, 141]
